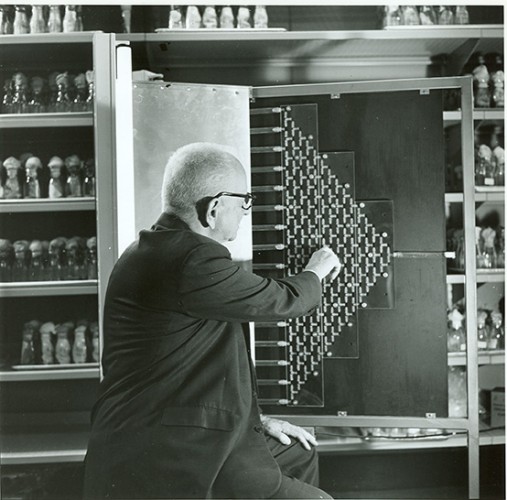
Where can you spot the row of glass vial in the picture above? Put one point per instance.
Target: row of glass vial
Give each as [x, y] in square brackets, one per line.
[426, 15]
[194, 18]
[61, 92]
[70, 178]
[56, 260]
[49, 343]
[40, 19]
[490, 331]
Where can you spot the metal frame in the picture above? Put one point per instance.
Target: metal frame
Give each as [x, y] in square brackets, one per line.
[471, 423]
[104, 58]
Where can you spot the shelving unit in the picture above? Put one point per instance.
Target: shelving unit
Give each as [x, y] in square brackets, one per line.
[484, 358]
[55, 428]
[262, 58]
[48, 288]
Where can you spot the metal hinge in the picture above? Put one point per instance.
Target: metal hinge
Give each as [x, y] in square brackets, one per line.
[431, 415]
[335, 96]
[424, 91]
[342, 413]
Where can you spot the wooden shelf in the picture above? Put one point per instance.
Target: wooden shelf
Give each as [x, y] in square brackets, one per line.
[54, 373]
[484, 358]
[454, 117]
[47, 205]
[48, 288]
[36, 120]
[65, 445]
[356, 55]
[482, 194]
[355, 444]
[454, 279]
[43, 38]
[490, 275]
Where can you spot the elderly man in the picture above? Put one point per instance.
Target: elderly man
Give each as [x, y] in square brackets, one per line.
[177, 414]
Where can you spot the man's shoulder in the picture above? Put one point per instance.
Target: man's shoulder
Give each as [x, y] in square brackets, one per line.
[179, 242]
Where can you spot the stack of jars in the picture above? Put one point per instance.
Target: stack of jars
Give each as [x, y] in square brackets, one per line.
[26, 177]
[59, 259]
[193, 17]
[23, 19]
[60, 92]
[49, 343]
[490, 331]
[489, 247]
[426, 15]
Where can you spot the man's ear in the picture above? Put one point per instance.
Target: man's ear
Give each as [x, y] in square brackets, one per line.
[211, 213]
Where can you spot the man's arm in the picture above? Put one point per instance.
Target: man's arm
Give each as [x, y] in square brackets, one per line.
[214, 287]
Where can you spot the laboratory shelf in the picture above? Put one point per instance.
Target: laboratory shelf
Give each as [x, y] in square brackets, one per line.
[358, 443]
[482, 194]
[490, 275]
[44, 446]
[42, 38]
[47, 205]
[483, 358]
[70, 446]
[39, 120]
[48, 288]
[50, 372]
[454, 117]
[455, 279]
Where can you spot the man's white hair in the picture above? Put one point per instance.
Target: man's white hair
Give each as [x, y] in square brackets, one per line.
[194, 171]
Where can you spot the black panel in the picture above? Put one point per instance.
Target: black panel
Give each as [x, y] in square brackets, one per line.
[402, 367]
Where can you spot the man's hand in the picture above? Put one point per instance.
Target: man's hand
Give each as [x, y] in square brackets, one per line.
[144, 75]
[324, 262]
[282, 430]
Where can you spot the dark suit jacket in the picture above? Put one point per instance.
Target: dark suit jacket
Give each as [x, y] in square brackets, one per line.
[177, 415]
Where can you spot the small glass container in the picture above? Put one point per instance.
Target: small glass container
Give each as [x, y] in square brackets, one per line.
[456, 338]
[54, 19]
[37, 22]
[482, 332]
[21, 26]
[20, 267]
[70, 20]
[496, 339]
[445, 15]
[73, 185]
[226, 18]
[6, 258]
[243, 18]
[79, 347]
[260, 17]
[209, 17]
[56, 187]
[47, 333]
[31, 188]
[63, 348]
[462, 16]
[193, 18]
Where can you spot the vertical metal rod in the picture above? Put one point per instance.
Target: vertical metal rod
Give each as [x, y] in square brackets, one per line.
[467, 152]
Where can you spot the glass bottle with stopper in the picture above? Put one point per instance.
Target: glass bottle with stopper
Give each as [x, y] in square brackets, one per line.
[19, 99]
[57, 261]
[35, 270]
[20, 268]
[62, 103]
[260, 17]
[496, 339]
[94, 330]
[56, 187]
[193, 18]
[226, 18]
[89, 75]
[80, 84]
[37, 23]
[243, 18]
[63, 348]
[175, 18]
[89, 179]
[27, 344]
[6, 258]
[47, 333]
[36, 103]
[482, 332]
[456, 338]
[21, 26]
[70, 20]
[12, 186]
[79, 347]
[91, 258]
[54, 19]
[209, 17]
[32, 185]
[73, 185]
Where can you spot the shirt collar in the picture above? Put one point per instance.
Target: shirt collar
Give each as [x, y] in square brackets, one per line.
[169, 221]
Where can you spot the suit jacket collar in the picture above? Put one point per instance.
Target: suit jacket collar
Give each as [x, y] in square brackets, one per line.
[169, 221]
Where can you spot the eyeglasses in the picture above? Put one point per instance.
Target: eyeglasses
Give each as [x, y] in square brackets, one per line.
[248, 198]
